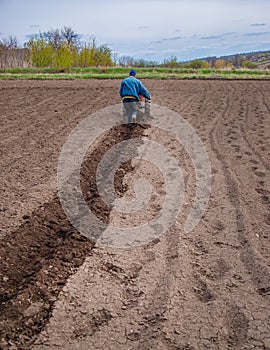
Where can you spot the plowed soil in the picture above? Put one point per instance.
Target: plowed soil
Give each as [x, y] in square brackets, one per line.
[209, 289]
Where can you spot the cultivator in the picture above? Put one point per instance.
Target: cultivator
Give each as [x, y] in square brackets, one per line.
[143, 111]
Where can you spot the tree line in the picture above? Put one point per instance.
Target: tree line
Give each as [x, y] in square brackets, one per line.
[63, 48]
[56, 48]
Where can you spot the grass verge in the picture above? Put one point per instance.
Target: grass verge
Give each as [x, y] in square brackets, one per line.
[120, 73]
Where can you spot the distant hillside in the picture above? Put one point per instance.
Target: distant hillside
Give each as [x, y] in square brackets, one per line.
[262, 58]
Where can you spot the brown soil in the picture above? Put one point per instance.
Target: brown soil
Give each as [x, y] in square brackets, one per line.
[206, 290]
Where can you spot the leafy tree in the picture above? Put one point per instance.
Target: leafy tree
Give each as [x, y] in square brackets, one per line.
[65, 56]
[220, 64]
[42, 54]
[223, 64]
[171, 62]
[198, 64]
[103, 56]
[87, 56]
[249, 65]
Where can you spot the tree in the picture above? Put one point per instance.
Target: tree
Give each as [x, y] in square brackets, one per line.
[11, 42]
[249, 65]
[69, 35]
[52, 37]
[237, 60]
[171, 62]
[59, 48]
[11, 55]
[42, 54]
[220, 64]
[87, 56]
[198, 64]
[66, 56]
[126, 61]
[115, 55]
[103, 56]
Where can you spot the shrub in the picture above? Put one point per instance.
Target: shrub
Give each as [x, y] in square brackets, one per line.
[41, 53]
[197, 64]
[249, 65]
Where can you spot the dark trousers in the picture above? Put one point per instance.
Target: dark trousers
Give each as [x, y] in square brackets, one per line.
[130, 108]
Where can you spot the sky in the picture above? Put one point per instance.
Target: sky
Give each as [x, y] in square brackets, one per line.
[148, 29]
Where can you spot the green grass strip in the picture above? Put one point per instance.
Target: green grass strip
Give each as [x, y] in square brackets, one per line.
[120, 73]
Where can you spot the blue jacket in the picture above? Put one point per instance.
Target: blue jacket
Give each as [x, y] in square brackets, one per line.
[133, 87]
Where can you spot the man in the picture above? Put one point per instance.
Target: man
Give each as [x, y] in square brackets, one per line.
[130, 90]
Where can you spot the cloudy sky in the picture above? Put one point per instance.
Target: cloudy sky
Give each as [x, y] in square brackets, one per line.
[149, 29]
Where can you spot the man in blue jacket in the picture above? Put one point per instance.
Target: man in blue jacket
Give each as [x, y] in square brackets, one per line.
[130, 90]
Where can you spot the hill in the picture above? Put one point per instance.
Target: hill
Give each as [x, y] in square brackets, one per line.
[261, 58]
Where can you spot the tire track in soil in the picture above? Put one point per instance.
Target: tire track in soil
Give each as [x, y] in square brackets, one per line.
[245, 137]
[264, 101]
[238, 323]
[50, 251]
[261, 188]
[152, 318]
[203, 105]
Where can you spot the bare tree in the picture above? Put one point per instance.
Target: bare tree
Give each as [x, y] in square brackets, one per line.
[11, 55]
[70, 36]
[11, 42]
[126, 61]
[115, 55]
[53, 37]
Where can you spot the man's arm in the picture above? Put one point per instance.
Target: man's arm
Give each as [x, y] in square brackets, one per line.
[144, 92]
[121, 90]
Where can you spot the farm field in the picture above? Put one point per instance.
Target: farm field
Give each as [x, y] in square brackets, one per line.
[209, 289]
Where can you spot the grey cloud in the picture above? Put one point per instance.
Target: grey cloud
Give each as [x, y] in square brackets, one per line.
[34, 26]
[258, 24]
[166, 39]
[256, 34]
[211, 37]
[219, 36]
[143, 27]
[172, 38]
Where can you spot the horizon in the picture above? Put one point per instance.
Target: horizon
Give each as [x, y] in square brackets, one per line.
[152, 30]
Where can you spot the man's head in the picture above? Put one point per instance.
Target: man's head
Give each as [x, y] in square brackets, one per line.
[132, 73]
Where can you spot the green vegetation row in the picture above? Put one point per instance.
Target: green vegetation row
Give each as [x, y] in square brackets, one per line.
[122, 72]
[125, 71]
